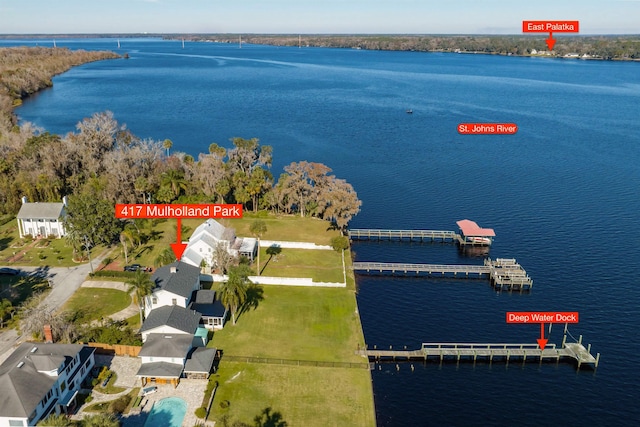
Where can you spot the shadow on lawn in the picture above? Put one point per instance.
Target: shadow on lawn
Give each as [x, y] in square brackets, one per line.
[273, 250]
[255, 294]
[266, 418]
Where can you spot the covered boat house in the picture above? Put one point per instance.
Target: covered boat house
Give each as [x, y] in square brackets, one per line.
[472, 234]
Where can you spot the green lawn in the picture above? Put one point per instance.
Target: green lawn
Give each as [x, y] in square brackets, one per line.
[283, 227]
[303, 396]
[296, 323]
[320, 265]
[96, 303]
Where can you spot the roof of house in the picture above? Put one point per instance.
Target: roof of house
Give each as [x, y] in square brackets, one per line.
[470, 228]
[160, 370]
[192, 256]
[166, 345]
[215, 229]
[41, 210]
[200, 360]
[22, 378]
[247, 245]
[181, 282]
[205, 303]
[174, 316]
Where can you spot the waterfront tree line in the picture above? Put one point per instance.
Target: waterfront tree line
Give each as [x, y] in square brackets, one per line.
[102, 163]
[600, 47]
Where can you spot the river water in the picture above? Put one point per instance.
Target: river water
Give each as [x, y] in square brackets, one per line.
[561, 194]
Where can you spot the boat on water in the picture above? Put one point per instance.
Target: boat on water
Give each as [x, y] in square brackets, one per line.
[479, 240]
[409, 111]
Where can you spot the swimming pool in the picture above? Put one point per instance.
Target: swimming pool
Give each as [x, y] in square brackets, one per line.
[167, 412]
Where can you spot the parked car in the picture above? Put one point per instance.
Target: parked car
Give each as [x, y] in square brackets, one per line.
[9, 271]
[149, 390]
[133, 267]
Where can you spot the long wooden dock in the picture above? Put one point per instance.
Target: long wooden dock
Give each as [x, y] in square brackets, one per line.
[404, 235]
[473, 352]
[442, 236]
[503, 273]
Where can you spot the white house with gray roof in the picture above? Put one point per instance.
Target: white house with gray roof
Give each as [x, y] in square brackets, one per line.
[209, 235]
[174, 285]
[41, 219]
[39, 379]
[170, 319]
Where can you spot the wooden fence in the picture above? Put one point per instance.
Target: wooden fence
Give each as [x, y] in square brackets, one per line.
[115, 349]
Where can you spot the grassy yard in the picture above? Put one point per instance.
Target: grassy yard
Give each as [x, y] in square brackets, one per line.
[320, 265]
[295, 323]
[318, 324]
[289, 227]
[303, 396]
[96, 303]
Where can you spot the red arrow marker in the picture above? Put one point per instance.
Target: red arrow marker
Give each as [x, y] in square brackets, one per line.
[541, 341]
[178, 247]
[551, 42]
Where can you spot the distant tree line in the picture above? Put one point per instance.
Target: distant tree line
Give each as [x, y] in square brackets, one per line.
[602, 47]
[25, 70]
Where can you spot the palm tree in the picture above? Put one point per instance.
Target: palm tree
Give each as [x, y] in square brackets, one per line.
[127, 236]
[56, 420]
[165, 257]
[233, 292]
[258, 228]
[167, 144]
[174, 179]
[142, 285]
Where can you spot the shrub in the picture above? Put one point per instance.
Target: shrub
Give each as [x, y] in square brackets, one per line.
[201, 412]
[225, 404]
[340, 243]
[116, 274]
[119, 405]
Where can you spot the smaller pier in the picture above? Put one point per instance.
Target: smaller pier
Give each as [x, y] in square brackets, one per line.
[503, 273]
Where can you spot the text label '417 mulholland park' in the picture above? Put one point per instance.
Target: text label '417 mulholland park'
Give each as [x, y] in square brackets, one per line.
[179, 211]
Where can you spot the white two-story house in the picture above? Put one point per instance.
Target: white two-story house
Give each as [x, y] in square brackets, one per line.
[174, 285]
[39, 379]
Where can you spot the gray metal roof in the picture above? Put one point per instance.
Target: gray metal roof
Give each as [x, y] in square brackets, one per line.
[160, 370]
[207, 305]
[200, 360]
[181, 282]
[41, 211]
[24, 387]
[174, 316]
[167, 345]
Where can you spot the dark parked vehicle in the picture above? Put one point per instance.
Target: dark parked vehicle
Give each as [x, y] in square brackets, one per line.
[133, 267]
[9, 271]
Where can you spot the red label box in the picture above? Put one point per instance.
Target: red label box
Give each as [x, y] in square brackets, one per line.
[550, 26]
[179, 211]
[487, 128]
[542, 317]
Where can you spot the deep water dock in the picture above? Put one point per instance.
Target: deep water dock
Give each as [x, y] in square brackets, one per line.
[503, 273]
[473, 352]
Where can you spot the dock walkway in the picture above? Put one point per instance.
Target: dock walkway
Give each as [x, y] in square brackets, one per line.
[442, 236]
[503, 273]
[472, 352]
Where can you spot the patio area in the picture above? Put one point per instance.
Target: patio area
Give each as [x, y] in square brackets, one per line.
[190, 390]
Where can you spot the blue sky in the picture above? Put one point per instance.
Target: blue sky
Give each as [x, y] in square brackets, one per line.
[312, 16]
